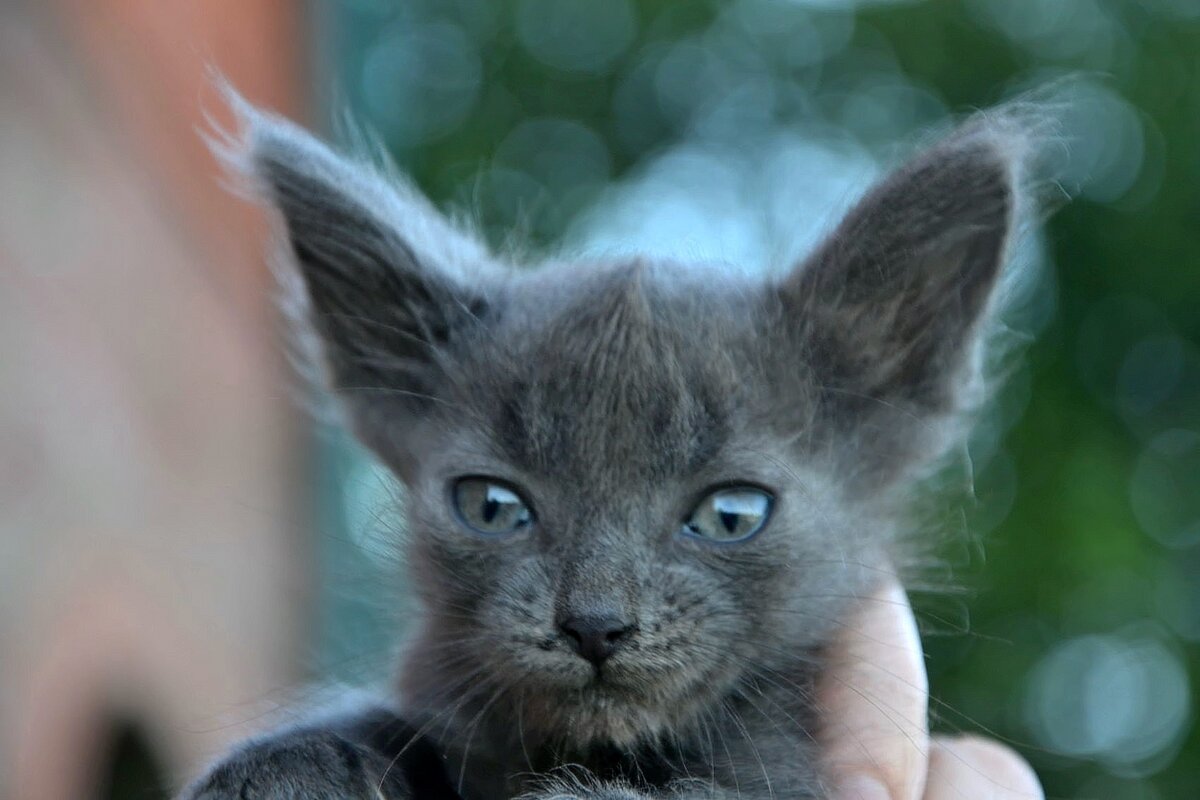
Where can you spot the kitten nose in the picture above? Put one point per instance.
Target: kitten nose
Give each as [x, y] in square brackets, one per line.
[596, 637]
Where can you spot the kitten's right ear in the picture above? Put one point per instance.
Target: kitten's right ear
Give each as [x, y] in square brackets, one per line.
[375, 277]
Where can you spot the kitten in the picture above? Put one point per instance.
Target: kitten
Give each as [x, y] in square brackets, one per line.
[640, 494]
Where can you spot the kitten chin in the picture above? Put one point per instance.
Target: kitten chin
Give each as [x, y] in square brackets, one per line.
[622, 715]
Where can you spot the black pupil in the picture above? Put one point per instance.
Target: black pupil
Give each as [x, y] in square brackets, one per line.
[490, 509]
[729, 519]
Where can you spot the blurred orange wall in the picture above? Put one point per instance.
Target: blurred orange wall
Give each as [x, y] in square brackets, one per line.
[152, 556]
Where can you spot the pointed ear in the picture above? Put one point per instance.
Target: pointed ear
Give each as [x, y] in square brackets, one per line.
[374, 277]
[890, 309]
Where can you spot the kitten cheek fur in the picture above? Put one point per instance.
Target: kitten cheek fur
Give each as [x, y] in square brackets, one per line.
[612, 390]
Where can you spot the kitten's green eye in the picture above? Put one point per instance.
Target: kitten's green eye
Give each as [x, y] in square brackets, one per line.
[490, 507]
[732, 514]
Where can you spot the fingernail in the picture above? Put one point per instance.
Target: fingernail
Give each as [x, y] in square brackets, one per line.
[862, 787]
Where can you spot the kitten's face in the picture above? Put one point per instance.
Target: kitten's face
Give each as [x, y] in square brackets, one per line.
[605, 416]
[562, 431]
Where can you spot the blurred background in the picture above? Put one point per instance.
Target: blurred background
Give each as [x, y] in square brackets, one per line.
[185, 554]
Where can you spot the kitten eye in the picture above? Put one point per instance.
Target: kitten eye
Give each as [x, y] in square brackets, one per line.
[490, 507]
[732, 514]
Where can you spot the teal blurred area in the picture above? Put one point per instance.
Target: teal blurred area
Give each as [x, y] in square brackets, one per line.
[1062, 614]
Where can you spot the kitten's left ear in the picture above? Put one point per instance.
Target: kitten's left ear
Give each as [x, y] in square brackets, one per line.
[889, 310]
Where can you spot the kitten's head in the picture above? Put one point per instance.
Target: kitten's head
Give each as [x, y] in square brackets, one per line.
[633, 485]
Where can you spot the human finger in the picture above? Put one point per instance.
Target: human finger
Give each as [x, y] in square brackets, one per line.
[973, 768]
[873, 696]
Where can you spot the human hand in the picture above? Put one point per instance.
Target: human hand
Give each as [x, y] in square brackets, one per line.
[874, 698]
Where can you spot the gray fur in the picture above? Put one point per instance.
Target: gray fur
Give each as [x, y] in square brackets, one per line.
[614, 395]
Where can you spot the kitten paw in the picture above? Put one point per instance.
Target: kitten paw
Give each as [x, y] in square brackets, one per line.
[312, 765]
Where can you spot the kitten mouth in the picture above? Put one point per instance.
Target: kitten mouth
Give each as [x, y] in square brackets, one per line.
[602, 681]
[613, 683]
[601, 678]
[597, 679]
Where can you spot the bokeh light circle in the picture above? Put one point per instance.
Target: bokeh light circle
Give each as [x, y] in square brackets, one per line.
[1164, 489]
[1120, 698]
[576, 35]
[419, 82]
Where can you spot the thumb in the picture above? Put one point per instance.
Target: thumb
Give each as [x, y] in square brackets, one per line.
[873, 697]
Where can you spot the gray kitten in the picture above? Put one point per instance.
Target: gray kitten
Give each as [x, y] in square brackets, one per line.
[640, 494]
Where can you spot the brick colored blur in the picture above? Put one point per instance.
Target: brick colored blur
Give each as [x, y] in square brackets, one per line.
[151, 569]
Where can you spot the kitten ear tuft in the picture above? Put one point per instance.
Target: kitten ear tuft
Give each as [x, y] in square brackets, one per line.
[376, 282]
[891, 310]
